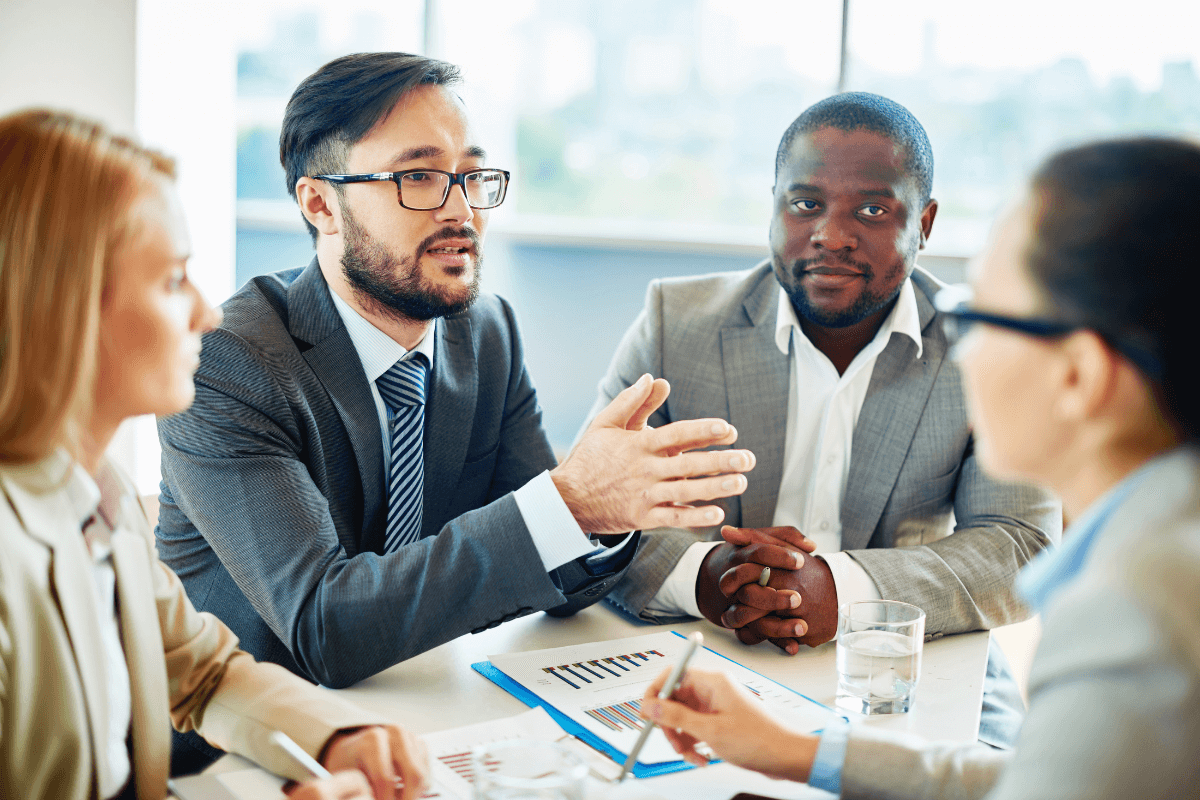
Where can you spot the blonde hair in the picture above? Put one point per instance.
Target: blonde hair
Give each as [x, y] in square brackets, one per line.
[67, 186]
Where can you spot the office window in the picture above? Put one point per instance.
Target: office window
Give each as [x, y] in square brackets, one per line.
[1000, 87]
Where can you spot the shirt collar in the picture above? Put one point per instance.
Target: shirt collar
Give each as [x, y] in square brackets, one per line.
[83, 493]
[904, 319]
[378, 351]
[1055, 567]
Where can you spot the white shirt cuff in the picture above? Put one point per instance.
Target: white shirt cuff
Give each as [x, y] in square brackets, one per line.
[677, 595]
[851, 581]
[555, 533]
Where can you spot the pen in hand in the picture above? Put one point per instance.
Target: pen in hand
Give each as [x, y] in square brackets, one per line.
[299, 756]
[694, 641]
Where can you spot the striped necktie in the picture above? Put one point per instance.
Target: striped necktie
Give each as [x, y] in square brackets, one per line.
[403, 390]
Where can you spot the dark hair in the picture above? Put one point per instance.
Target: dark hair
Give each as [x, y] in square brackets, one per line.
[1116, 248]
[852, 111]
[335, 107]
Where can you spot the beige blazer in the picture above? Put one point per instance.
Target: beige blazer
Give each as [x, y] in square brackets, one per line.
[184, 667]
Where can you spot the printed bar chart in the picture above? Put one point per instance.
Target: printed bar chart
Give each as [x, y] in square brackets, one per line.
[590, 671]
[618, 717]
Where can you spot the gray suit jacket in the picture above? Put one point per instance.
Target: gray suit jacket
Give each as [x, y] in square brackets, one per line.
[1114, 693]
[913, 475]
[273, 506]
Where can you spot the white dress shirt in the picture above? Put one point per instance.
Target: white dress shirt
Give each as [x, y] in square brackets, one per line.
[823, 409]
[555, 533]
[96, 508]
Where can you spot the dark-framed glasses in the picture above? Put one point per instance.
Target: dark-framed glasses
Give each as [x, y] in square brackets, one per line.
[427, 189]
[954, 302]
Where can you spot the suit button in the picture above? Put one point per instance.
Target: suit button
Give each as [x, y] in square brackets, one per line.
[479, 630]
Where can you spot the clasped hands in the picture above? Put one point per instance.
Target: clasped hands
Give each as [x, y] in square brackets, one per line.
[797, 606]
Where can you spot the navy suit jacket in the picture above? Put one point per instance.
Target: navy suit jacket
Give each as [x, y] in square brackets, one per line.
[273, 506]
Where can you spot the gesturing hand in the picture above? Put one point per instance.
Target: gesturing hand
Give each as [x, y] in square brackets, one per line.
[709, 707]
[622, 475]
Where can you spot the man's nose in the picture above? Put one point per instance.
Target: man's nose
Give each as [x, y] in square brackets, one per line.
[456, 208]
[832, 233]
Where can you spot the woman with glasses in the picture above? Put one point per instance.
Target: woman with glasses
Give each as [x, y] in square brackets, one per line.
[99, 646]
[1078, 354]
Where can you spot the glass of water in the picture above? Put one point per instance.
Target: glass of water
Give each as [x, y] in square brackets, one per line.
[525, 770]
[879, 656]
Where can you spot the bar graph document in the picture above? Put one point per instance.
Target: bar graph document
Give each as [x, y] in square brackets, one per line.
[599, 687]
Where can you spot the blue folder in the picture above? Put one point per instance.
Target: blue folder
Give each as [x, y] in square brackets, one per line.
[640, 770]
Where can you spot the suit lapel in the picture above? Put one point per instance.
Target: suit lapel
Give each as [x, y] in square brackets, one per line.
[896, 397]
[756, 385]
[46, 512]
[141, 637]
[449, 414]
[313, 319]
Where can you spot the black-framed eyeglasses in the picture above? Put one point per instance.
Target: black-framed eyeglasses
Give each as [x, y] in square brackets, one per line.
[427, 189]
[955, 304]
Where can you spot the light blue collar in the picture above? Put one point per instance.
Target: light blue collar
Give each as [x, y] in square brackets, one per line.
[1054, 568]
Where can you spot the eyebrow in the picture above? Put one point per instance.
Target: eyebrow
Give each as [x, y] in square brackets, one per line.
[430, 151]
[808, 187]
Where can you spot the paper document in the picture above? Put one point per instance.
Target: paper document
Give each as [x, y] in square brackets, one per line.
[600, 685]
[449, 761]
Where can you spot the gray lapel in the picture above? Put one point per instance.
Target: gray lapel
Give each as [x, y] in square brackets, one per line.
[313, 319]
[449, 415]
[756, 386]
[896, 397]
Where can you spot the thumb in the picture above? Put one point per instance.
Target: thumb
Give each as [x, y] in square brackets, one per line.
[620, 411]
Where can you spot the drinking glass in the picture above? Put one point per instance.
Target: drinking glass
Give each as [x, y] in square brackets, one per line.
[879, 656]
[525, 770]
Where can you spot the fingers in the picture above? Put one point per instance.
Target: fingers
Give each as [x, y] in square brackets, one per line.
[781, 536]
[411, 760]
[737, 616]
[696, 489]
[347, 785]
[772, 627]
[755, 557]
[690, 434]
[789, 646]
[621, 411]
[746, 635]
[768, 599]
[672, 516]
[659, 391]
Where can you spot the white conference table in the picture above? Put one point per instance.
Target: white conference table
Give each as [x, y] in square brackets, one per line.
[438, 690]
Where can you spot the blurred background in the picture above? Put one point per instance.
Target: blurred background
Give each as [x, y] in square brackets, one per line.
[641, 133]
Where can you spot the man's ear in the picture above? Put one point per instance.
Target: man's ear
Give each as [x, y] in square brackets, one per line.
[927, 217]
[319, 205]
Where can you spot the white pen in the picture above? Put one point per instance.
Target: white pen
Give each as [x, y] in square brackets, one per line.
[668, 689]
[299, 756]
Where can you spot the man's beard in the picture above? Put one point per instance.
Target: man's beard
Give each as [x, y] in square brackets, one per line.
[394, 286]
[868, 302]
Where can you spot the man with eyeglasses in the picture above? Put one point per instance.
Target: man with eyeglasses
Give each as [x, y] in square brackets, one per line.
[364, 474]
[830, 360]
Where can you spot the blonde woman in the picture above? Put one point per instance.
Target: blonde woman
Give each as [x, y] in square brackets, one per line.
[1080, 371]
[100, 649]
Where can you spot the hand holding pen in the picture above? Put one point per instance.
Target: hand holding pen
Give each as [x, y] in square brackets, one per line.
[713, 708]
[360, 749]
[664, 686]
